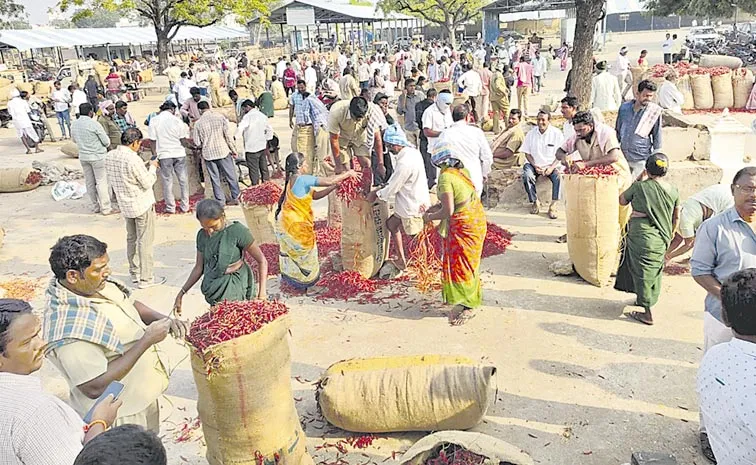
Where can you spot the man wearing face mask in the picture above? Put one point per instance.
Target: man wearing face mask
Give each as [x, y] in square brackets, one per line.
[437, 117]
[355, 126]
[639, 128]
[410, 186]
[96, 333]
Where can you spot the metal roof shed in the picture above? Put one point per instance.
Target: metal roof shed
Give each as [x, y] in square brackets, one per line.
[492, 11]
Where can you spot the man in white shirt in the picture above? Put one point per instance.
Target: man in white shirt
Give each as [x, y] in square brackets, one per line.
[342, 61]
[256, 131]
[61, 99]
[183, 87]
[410, 186]
[539, 70]
[605, 93]
[470, 146]
[363, 74]
[77, 97]
[670, 98]
[667, 50]
[540, 148]
[480, 56]
[311, 78]
[280, 68]
[19, 109]
[472, 84]
[570, 107]
[169, 136]
[726, 387]
[622, 72]
[437, 117]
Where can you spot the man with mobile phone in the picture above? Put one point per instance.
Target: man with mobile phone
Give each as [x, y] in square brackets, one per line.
[37, 428]
[96, 333]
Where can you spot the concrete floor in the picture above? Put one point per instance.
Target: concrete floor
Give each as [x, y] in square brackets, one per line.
[578, 382]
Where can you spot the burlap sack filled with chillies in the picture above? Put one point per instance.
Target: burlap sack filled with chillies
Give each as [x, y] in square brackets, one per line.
[245, 399]
[703, 96]
[364, 237]
[721, 87]
[742, 84]
[462, 447]
[414, 393]
[258, 204]
[19, 179]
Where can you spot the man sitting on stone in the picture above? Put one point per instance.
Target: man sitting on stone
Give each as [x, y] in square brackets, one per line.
[540, 148]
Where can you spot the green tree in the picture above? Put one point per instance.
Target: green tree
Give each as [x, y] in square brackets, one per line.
[706, 8]
[449, 14]
[62, 24]
[10, 11]
[96, 18]
[18, 24]
[168, 16]
[587, 14]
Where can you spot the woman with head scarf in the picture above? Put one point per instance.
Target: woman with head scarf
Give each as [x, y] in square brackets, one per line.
[463, 229]
[656, 210]
[295, 228]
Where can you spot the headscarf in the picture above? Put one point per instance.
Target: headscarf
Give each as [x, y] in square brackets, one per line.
[442, 153]
[104, 106]
[444, 101]
[395, 136]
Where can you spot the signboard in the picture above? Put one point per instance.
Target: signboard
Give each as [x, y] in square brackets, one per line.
[624, 17]
[300, 16]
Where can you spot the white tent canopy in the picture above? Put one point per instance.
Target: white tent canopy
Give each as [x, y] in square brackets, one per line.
[25, 39]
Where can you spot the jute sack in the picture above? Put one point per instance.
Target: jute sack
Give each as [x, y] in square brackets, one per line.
[364, 237]
[245, 400]
[280, 104]
[721, 87]
[495, 450]
[70, 149]
[306, 146]
[261, 223]
[683, 85]
[638, 73]
[593, 232]
[25, 86]
[5, 82]
[742, 84]
[712, 61]
[412, 393]
[703, 97]
[43, 88]
[14, 180]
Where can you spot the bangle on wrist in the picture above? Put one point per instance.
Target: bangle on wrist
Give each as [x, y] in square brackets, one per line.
[96, 422]
[183, 291]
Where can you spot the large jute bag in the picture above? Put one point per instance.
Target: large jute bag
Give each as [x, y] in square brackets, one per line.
[280, 104]
[742, 84]
[364, 237]
[43, 88]
[25, 87]
[70, 149]
[703, 96]
[593, 231]
[412, 393]
[683, 85]
[245, 400]
[261, 223]
[495, 450]
[17, 179]
[721, 87]
[638, 74]
[712, 61]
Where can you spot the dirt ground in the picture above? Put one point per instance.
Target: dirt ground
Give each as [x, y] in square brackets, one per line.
[578, 382]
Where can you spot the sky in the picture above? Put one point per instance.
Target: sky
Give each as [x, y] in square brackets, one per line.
[37, 9]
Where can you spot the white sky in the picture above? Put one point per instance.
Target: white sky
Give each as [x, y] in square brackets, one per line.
[37, 9]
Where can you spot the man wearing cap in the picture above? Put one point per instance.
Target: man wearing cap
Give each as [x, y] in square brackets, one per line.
[605, 93]
[622, 71]
[355, 127]
[437, 117]
[410, 187]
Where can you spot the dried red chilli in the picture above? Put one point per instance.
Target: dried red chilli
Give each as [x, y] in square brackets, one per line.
[597, 171]
[345, 285]
[266, 194]
[452, 454]
[497, 240]
[424, 262]
[328, 239]
[350, 189]
[271, 252]
[35, 177]
[186, 430]
[361, 442]
[719, 71]
[229, 320]
[675, 269]
[193, 201]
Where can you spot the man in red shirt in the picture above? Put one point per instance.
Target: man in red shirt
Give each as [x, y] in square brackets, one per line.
[524, 74]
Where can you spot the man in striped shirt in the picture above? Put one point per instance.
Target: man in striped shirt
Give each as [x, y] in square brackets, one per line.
[211, 134]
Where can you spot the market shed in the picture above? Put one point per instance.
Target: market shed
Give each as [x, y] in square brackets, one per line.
[503, 11]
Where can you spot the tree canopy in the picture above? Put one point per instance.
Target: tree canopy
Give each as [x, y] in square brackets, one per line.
[96, 18]
[449, 14]
[711, 8]
[10, 13]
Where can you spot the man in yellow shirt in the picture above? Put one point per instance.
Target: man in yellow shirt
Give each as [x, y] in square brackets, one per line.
[97, 333]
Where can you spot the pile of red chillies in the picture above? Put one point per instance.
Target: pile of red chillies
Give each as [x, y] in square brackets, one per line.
[675, 269]
[350, 189]
[345, 285]
[193, 201]
[35, 177]
[271, 252]
[597, 171]
[452, 454]
[266, 194]
[497, 240]
[229, 320]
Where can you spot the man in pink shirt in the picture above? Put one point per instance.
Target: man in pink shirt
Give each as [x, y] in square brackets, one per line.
[524, 73]
[485, 78]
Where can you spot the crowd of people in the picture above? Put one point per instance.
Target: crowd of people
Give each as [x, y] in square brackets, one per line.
[430, 159]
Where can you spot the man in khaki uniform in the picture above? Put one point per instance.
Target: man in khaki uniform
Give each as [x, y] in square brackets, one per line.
[348, 85]
[214, 81]
[597, 145]
[97, 333]
[499, 96]
[355, 127]
[257, 81]
[506, 147]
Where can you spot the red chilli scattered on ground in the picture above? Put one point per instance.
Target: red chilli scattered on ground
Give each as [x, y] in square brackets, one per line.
[345, 285]
[356, 442]
[497, 240]
[19, 288]
[193, 201]
[675, 269]
[425, 262]
[35, 177]
[229, 320]
[266, 194]
[598, 171]
[186, 430]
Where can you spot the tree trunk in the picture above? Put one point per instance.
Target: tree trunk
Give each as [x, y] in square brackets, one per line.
[588, 15]
[162, 49]
[450, 32]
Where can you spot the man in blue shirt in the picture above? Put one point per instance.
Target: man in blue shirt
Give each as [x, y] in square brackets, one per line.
[725, 243]
[639, 128]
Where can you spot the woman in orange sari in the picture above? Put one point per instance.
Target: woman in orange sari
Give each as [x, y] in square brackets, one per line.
[463, 228]
[298, 257]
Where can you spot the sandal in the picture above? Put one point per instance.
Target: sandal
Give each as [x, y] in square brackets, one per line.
[460, 317]
[553, 211]
[535, 208]
[642, 318]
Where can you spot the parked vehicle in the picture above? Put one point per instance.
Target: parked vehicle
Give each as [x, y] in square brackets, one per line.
[745, 33]
[704, 34]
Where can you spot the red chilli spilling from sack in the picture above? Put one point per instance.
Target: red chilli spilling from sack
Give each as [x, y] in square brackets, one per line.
[345, 285]
[266, 194]
[597, 171]
[229, 320]
[452, 454]
[698, 71]
[350, 189]
[271, 252]
[35, 177]
[193, 201]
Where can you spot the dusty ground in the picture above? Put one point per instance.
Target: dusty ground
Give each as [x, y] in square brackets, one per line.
[578, 382]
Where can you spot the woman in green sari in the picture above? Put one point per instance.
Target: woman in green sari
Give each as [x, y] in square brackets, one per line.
[220, 259]
[650, 230]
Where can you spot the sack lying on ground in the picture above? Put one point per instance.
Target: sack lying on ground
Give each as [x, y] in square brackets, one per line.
[19, 179]
[414, 393]
[492, 451]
